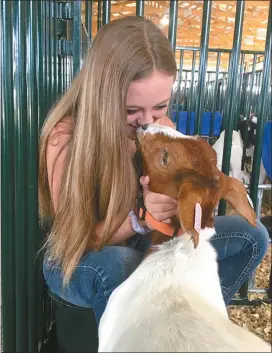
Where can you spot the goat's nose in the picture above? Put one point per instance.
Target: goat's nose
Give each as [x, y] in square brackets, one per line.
[145, 126]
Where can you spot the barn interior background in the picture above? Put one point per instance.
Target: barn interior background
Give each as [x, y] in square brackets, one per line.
[223, 55]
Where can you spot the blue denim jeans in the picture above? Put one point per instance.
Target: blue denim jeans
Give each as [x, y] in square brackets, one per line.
[240, 248]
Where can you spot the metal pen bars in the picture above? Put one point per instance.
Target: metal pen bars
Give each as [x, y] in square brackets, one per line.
[36, 67]
[231, 97]
[264, 108]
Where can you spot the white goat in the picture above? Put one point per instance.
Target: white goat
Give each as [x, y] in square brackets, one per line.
[173, 303]
[235, 157]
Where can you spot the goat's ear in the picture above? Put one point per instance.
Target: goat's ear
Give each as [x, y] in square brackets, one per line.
[193, 189]
[234, 192]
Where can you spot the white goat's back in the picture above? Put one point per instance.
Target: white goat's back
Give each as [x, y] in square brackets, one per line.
[236, 154]
[178, 327]
[173, 303]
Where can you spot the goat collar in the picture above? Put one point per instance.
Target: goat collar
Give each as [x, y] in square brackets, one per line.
[157, 225]
[166, 228]
[160, 226]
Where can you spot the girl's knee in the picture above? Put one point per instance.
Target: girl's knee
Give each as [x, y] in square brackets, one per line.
[262, 238]
[107, 269]
[95, 277]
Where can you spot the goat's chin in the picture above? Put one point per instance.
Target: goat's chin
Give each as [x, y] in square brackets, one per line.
[185, 241]
[206, 233]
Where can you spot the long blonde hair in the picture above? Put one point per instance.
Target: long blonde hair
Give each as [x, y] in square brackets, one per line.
[99, 181]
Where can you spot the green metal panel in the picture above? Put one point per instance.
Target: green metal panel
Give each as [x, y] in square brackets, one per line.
[7, 183]
[34, 59]
[88, 19]
[106, 11]
[192, 97]
[240, 83]
[229, 113]
[179, 85]
[50, 58]
[99, 14]
[206, 19]
[215, 90]
[173, 22]
[55, 49]
[262, 110]
[245, 96]
[31, 141]
[76, 39]
[20, 182]
[140, 8]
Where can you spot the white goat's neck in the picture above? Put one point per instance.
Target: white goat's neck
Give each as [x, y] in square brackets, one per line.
[177, 264]
[175, 274]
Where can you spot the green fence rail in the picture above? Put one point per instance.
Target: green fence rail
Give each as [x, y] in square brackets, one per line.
[36, 67]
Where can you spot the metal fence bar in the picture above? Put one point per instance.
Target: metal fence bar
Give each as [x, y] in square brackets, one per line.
[66, 71]
[206, 19]
[20, 109]
[88, 19]
[178, 87]
[106, 11]
[214, 102]
[173, 23]
[7, 188]
[191, 95]
[252, 79]
[222, 50]
[140, 8]
[252, 52]
[207, 93]
[266, 80]
[45, 51]
[55, 50]
[41, 114]
[50, 56]
[40, 64]
[208, 72]
[76, 36]
[244, 96]
[229, 113]
[99, 14]
[32, 179]
[239, 89]
[224, 83]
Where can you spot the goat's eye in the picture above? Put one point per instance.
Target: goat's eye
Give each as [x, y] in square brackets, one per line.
[164, 158]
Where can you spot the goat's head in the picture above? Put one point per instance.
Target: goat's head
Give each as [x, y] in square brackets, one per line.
[184, 168]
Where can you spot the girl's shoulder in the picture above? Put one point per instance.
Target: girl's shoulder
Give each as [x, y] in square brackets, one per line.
[62, 132]
[56, 153]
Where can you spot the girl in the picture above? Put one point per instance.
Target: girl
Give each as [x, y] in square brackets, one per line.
[87, 182]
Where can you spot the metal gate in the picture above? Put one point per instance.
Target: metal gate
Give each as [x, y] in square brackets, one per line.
[43, 44]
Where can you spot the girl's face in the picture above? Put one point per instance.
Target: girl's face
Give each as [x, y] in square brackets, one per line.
[147, 100]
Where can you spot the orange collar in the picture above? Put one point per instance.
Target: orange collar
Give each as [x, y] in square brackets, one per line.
[159, 226]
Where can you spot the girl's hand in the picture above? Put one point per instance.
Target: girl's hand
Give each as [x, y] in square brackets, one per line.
[160, 206]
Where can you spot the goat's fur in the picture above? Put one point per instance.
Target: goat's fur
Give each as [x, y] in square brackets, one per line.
[173, 303]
